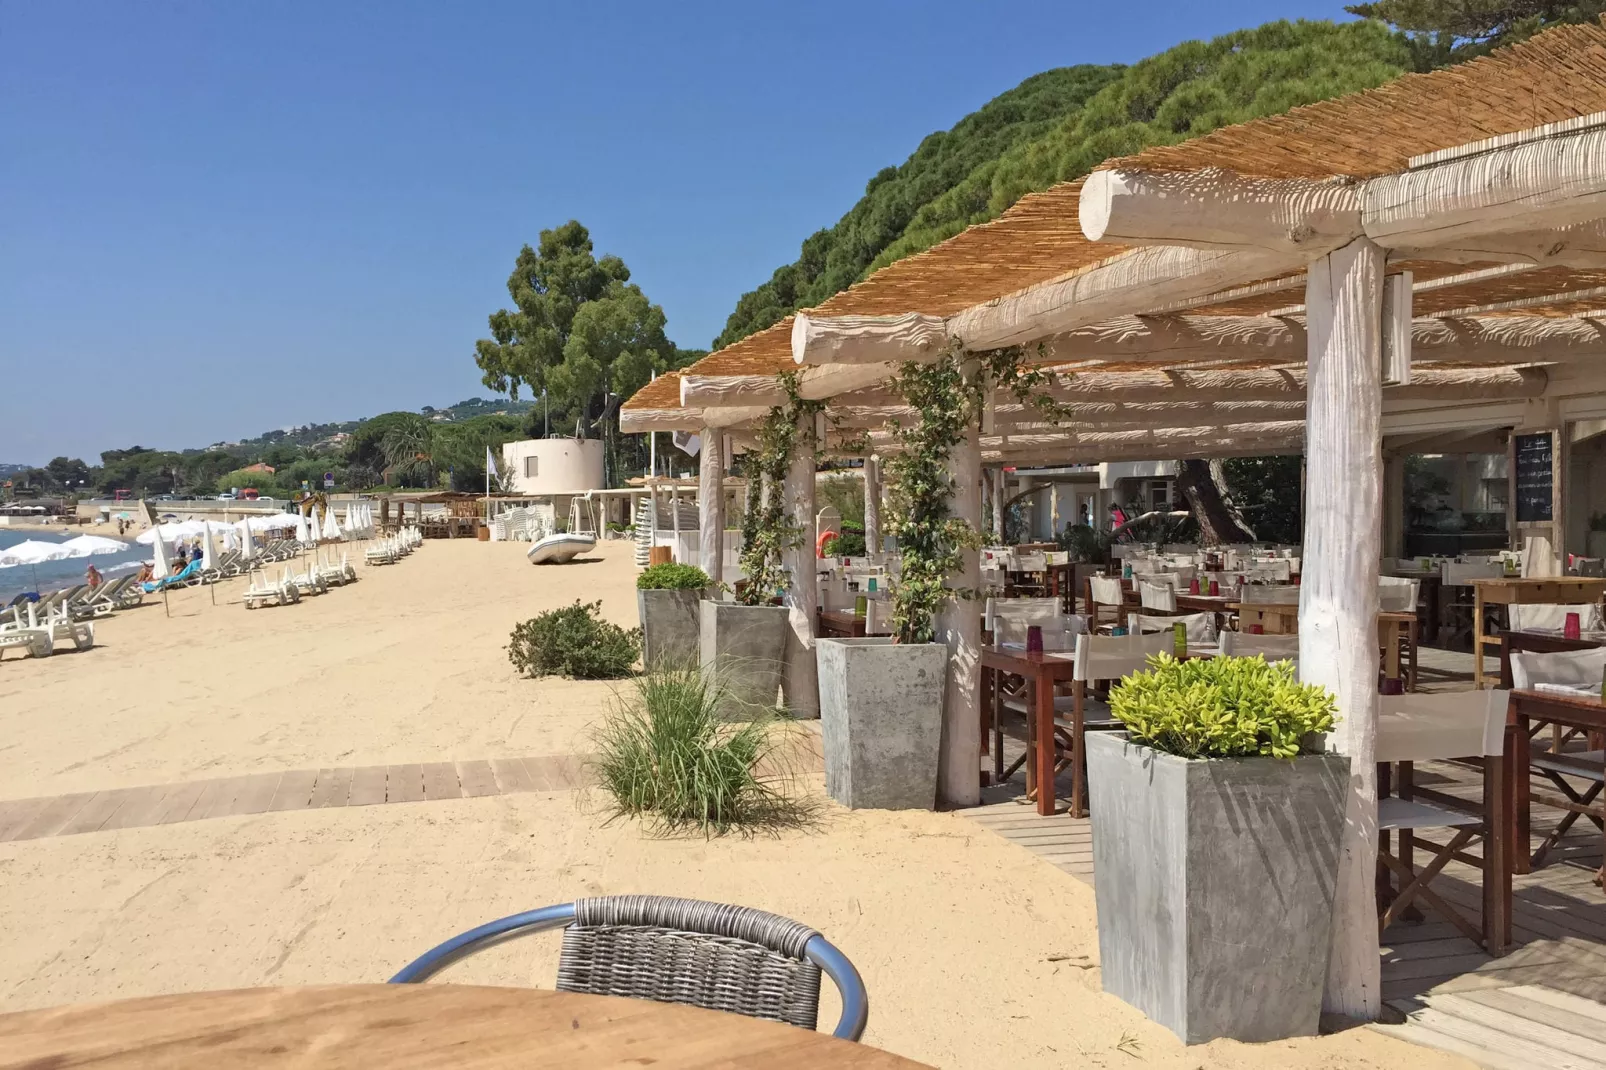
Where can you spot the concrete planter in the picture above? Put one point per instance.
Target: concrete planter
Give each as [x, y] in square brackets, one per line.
[1214, 882]
[671, 627]
[746, 645]
[881, 721]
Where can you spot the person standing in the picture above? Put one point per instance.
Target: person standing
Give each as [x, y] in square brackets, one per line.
[92, 577]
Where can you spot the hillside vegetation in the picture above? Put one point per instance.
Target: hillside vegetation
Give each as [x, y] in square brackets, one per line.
[1059, 125]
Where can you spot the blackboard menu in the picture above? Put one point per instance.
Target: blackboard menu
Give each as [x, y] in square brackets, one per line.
[1534, 473]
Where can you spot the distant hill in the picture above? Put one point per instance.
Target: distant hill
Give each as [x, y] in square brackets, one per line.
[312, 434]
[8, 470]
[1059, 125]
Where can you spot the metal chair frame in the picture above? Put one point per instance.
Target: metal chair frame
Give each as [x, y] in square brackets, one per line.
[818, 951]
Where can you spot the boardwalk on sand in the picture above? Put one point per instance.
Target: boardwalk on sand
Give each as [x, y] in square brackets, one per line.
[1540, 1007]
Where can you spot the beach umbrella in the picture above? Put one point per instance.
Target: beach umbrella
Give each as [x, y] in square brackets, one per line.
[208, 550]
[331, 527]
[31, 552]
[303, 536]
[247, 548]
[349, 528]
[90, 545]
[159, 561]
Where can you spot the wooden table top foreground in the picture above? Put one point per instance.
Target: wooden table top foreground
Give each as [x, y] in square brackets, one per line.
[402, 1026]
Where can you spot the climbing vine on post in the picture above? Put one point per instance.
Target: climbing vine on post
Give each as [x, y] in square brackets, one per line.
[766, 531]
[949, 397]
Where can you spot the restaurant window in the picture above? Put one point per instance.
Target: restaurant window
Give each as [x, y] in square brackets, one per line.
[1159, 494]
[532, 467]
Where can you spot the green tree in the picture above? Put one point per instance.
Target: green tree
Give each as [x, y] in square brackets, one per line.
[1059, 125]
[1448, 31]
[583, 332]
[365, 447]
[409, 452]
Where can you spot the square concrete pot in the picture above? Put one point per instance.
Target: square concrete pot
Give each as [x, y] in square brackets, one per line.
[671, 627]
[881, 721]
[1214, 882]
[746, 647]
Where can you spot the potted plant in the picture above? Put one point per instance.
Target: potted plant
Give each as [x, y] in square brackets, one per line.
[667, 597]
[744, 642]
[1216, 825]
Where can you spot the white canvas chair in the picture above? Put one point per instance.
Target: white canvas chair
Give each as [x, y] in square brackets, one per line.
[1396, 595]
[1544, 617]
[1270, 647]
[1201, 628]
[1417, 728]
[1570, 672]
[1269, 595]
[1159, 597]
[877, 616]
[1097, 658]
[1539, 558]
[1105, 591]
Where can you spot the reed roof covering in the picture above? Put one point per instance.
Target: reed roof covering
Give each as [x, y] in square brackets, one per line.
[1555, 76]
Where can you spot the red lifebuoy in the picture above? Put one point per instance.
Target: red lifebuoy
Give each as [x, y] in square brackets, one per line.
[819, 544]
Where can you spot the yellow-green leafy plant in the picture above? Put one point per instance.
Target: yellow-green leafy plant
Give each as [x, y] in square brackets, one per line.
[1222, 708]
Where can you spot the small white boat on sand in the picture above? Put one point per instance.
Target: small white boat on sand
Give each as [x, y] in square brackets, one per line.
[560, 548]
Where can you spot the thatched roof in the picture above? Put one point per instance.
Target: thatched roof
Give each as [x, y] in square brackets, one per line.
[1556, 76]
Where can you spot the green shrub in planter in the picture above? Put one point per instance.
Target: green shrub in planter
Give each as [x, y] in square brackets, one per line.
[574, 641]
[1221, 708]
[670, 576]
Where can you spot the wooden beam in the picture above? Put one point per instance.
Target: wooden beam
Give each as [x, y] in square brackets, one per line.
[1338, 595]
[1582, 246]
[711, 503]
[800, 680]
[641, 421]
[865, 339]
[1217, 209]
[1544, 183]
[959, 626]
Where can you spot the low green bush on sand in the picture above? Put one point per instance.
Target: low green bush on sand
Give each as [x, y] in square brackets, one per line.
[665, 756]
[670, 576]
[1221, 707]
[574, 641]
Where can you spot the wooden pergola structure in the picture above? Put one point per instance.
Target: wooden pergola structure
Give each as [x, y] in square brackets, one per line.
[1424, 261]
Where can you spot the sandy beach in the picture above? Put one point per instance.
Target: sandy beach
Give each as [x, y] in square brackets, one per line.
[975, 953]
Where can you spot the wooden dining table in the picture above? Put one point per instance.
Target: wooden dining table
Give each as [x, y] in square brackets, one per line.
[841, 624]
[1584, 713]
[1041, 670]
[400, 1027]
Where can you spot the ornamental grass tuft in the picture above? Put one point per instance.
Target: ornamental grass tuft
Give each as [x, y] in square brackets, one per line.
[1222, 708]
[666, 757]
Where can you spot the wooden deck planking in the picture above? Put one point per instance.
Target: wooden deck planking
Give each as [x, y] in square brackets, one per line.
[477, 779]
[332, 789]
[512, 775]
[295, 790]
[404, 783]
[440, 781]
[367, 786]
[49, 819]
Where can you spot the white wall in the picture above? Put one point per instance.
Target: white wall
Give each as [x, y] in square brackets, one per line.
[553, 465]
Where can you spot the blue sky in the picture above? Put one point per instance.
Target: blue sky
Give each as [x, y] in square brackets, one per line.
[217, 219]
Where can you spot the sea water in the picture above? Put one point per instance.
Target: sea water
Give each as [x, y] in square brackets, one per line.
[69, 572]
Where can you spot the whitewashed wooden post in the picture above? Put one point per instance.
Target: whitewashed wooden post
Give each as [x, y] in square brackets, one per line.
[711, 503]
[801, 680]
[1338, 598]
[959, 625]
[998, 506]
[872, 504]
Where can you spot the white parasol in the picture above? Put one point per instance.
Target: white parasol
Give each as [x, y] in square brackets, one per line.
[31, 552]
[247, 548]
[90, 545]
[159, 562]
[331, 527]
[303, 535]
[208, 550]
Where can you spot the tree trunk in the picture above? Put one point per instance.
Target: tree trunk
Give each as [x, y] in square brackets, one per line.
[1204, 487]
